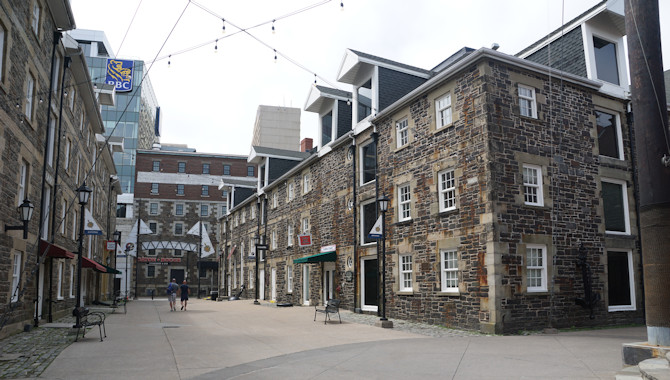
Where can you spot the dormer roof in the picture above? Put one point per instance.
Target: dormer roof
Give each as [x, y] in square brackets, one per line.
[319, 98]
[355, 62]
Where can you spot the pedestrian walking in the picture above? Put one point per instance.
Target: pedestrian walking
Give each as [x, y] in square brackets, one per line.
[184, 295]
[172, 294]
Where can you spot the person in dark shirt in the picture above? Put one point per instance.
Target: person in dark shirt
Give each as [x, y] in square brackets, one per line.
[184, 295]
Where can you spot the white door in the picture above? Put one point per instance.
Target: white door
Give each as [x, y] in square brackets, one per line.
[305, 284]
[261, 280]
[274, 283]
[40, 292]
[328, 276]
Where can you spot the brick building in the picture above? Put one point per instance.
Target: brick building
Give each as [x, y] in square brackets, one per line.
[50, 144]
[176, 188]
[511, 186]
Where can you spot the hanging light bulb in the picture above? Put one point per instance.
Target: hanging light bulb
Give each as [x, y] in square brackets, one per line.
[275, 55]
[341, 5]
[17, 105]
[273, 26]
[64, 93]
[314, 80]
[41, 100]
[348, 102]
[223, 28]
[169, 57]
[216, 46]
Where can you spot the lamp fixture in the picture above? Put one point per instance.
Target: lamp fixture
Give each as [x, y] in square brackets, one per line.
[26, 211]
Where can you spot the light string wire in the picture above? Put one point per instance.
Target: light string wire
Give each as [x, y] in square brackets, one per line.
[129, 25]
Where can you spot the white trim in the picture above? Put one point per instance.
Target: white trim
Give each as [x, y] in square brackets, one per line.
[542, 268]
[537, 186]
[531, 99]
[444, 270]
[405, 268]
[362, 228]
[624, 198]
[617, 128]
[443, 192]
[404, 202]
[365, 307]
[402, 133]
[447, 106]
[631, 283]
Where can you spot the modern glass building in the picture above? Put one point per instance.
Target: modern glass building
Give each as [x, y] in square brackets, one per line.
[135, 116]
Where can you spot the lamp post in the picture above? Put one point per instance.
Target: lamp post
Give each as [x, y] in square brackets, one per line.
[383, 202]
[84, 193]
[257, 241]
[26, 211]
[117, 239]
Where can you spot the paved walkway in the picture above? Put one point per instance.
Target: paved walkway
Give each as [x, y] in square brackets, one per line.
[240, 340]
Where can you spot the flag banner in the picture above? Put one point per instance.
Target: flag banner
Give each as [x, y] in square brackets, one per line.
[207, 248]
[376, 231]
[90, 225]
[131, 240]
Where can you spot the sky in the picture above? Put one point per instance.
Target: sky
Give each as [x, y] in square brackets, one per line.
[209, 97]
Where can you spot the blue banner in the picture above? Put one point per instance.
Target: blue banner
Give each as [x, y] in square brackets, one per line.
[120, 74]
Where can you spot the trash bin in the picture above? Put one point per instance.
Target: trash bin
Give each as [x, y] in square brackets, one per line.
[213, 295]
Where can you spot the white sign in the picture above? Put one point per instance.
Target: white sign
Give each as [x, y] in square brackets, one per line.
[111, 245]
[328, 248]
[376, 231]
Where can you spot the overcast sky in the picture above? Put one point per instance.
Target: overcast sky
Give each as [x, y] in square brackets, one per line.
[209, 99]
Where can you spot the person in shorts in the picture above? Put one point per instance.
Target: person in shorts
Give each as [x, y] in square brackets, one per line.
[172, 294]
[184, 295]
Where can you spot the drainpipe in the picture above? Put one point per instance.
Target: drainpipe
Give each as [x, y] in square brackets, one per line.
[375, 138]
[66, 64]
[56, 39]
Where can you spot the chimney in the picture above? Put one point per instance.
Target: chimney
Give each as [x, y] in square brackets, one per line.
[306, 144]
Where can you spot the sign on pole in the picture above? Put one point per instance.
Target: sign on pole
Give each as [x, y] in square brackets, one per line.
[376, 231]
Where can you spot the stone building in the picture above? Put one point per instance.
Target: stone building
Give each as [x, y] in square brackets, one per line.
[175, 190]
[511, 187]
[50, 144]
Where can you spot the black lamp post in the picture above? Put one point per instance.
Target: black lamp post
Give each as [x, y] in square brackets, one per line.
[257, 241]
[26, 211]
[84, 192]
[383, 202]
[117, 239]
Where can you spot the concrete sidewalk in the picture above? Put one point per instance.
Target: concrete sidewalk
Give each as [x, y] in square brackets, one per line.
[240, 340]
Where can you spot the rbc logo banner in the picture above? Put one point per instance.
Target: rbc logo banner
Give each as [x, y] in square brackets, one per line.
[120, 74]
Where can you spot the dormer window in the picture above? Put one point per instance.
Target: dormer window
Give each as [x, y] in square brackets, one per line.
[365, 100]
[607, 68]
[326, 128]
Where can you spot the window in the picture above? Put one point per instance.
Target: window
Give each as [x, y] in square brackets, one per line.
[273, 240]
[305, 225]
[606, 60]
[50, 147]
[204, 210]
[153, 227]
[237, 220]
[179, 209]
[23, 182]
[443, 111]
[368, 163]
[527, 106]
[368, 219]
[306, 182]
[405, 273]
[178, 229]
[151, 252]
[290, 191]
[3, 37]
[47, 217]
[16, 275]
[72, 271]
[55, 75]
[151, 271]
[30, 92]
[181, 167]
[226, 169]
[250, 171]
[63, 216]
[532, 185]
[364, 100]
[73, 92]
[156, 166]
[35, 21]
[536, 268]
[252, 210]
[275, 200]
[154, 188]
[180, 189]
[449, 272]
[74, 224]
[205, 191]
[251, 278]
[244, 216]
[404, 203]
[68, 147]
[289, 279]
[224, 210]
[205, 168]
[326, 128]
[447, 190]
[615, 206]
[177, 253]
[289, 235]
[402, 133]
[59, 284]
[153, 208]
[224, 194]
[609, 135]
[620, 284]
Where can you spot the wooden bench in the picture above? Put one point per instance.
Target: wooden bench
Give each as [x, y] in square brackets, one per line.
[332, 307]
[89, 318]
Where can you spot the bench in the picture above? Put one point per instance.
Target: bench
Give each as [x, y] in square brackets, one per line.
[89, 318]
[332, 307]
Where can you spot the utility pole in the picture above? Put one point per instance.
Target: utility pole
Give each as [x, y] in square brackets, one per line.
[653, 161]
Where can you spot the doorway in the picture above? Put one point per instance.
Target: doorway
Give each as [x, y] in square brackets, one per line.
[369, 284]
[328, 278]
[40, 296]
[177, 274]
[273, 282]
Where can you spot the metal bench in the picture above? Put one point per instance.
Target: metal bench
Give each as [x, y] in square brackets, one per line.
[332, 307]
[88, 318]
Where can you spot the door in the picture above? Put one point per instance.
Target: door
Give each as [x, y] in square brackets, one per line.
[273, 281]
[40, 292]
[369, 284]
[305, 284]
[261, 285]
[328, 277]
[177, 274]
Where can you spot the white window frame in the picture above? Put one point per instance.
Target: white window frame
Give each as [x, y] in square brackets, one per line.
[362, 226]
[59, 284]
[617, 128]
[253, 212]
[532, 184]
[443, 111]
[30, 92]
[176, 208]
[402, 133]
[52, 143]
[361, 149]
[291, 192]
[23, 181]
[304, 225]
[204, 210]
[251, 278]
[35, 20]
[204, 190]
[154, 188]
[306, 183]
[533, 266]
[289, 279]
[631, 284]
[275, 200]
[63, 216]
[153, 208]
[624, 196]
[3, 38]
[73, 92]
[68, 147]
[404, 202]
[527, 102]
[289, 235]
[17, 267]
[273, 240]
[72, 270]
[55, 75]
[448, 270]
[405, 265]
[447, 189]
[182, 229]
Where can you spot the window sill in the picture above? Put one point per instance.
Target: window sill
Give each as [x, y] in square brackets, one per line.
[614, 161]
[455, 293]
[537, 292]
[618, 234]
[612, 309]
[405, 293]
[403, 223]
[60, 298]
[443, 128]
[448, 212]
[398, 149]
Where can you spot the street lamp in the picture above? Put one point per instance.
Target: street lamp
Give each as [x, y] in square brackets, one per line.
[26, 211]
[383, 202]
[117, 239]
[83, 192]
[257, 241]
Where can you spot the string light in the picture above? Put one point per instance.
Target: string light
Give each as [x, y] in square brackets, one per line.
[216, 46]
[223, 28]
[273, 26]
[314, 79]
[341, 5]
[41, 100]
[17, 105]
[275, 55]
[169, 57]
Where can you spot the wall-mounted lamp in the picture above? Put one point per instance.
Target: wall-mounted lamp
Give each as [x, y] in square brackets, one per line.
[26, 211]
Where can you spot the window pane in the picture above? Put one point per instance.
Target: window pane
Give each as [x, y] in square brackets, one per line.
[618, 279]
[369, 219]
[614, 207]
[326, 128]
[369, 162]
[608, 139]
[606, 62]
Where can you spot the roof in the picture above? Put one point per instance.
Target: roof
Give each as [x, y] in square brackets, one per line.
[186, 153]
[388, 62]
[320, 98]
[356, 66]
[261, 151]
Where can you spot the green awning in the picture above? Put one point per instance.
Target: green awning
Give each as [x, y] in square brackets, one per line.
[319, 257]
[110, 270]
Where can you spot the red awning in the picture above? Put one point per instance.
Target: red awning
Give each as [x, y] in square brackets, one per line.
[88, 263]
[55, 251]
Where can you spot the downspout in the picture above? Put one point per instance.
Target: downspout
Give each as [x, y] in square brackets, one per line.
[56, 39]
[66, 64]
[375, 138]
[354, 212]
[265, 234]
